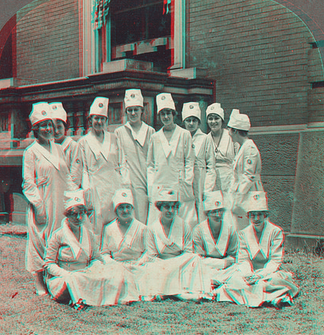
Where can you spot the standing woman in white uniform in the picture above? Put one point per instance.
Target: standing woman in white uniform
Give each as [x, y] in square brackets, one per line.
[69, 146]
[246, 167]
[104, 167]
[45, 178]
[170, 162]
[134, 138]
[224, 150]
[205, 169]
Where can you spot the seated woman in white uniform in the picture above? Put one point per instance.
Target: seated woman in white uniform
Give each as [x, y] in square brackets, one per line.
[259, 277]
[124, 238]
[215, 239]
[75, 268]
[174, 268]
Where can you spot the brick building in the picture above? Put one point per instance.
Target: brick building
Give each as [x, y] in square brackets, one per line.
[258, 56]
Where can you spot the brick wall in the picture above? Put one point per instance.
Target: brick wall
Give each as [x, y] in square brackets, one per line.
[48, 41]
[261, 56]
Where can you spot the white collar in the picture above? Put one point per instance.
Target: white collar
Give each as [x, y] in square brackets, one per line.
[52, 156]
[168, 147]
[66, 142]
[74, 244]
[197, 140]
[222, 242]
[140, 136]
[175, 235]
[99, 148]
[263, 245]
[130, 234]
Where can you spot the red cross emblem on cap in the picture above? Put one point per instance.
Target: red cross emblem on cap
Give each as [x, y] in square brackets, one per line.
[100, 105]
[256, 197]
[133, 95]
[124, 194]
[217, 203]
[249, 161]
[170, 192]
[163, 97]
[78, 161]
[191, 106]
[43, 113]
[77, 199]
[212, 107]
[54, 107]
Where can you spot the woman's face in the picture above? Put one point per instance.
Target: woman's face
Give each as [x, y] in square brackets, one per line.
[167, 117]
[77, 217]
[257, 219]
[214, 122]
[134, 114]
[215, 215]
[98, 122]
[169, 210]
[192, 124]
[45, 130]
[124, 212]
[59, 130]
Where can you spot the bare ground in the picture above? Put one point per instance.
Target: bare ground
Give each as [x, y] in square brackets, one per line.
[22, 312]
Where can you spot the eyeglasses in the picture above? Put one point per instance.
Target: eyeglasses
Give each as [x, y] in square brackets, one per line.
[76, 214]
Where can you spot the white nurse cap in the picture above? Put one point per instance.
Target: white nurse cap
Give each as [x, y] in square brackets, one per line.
[255, 201]
[191, 109]
[133, 98]
[166, 194]
[215, 108]
[41, 111]
[99, 106]
[213, 200]
[58, 111]
[73, 198]
[122, 196]
[164, 100]
[239, 121]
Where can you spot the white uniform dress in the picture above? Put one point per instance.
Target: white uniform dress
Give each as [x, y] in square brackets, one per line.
[174, 268]
[135, 146]
[171, 165]
[216, 253]
[45, 178]
[129, 249]
[104, 171]
[263, 258]
[73, 159]
[204, 170]
[224, 156]
[88, 278]
[247, 177]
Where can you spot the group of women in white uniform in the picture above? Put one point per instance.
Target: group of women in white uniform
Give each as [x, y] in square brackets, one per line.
[140, 215]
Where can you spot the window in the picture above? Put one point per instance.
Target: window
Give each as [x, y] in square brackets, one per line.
[137, 29]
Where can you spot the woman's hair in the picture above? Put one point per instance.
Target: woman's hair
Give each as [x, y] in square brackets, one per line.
[35, 130]
[75, 209]
[159, 204]
[243, 133]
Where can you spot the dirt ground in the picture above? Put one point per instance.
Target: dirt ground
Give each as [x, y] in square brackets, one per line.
[22, 312]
